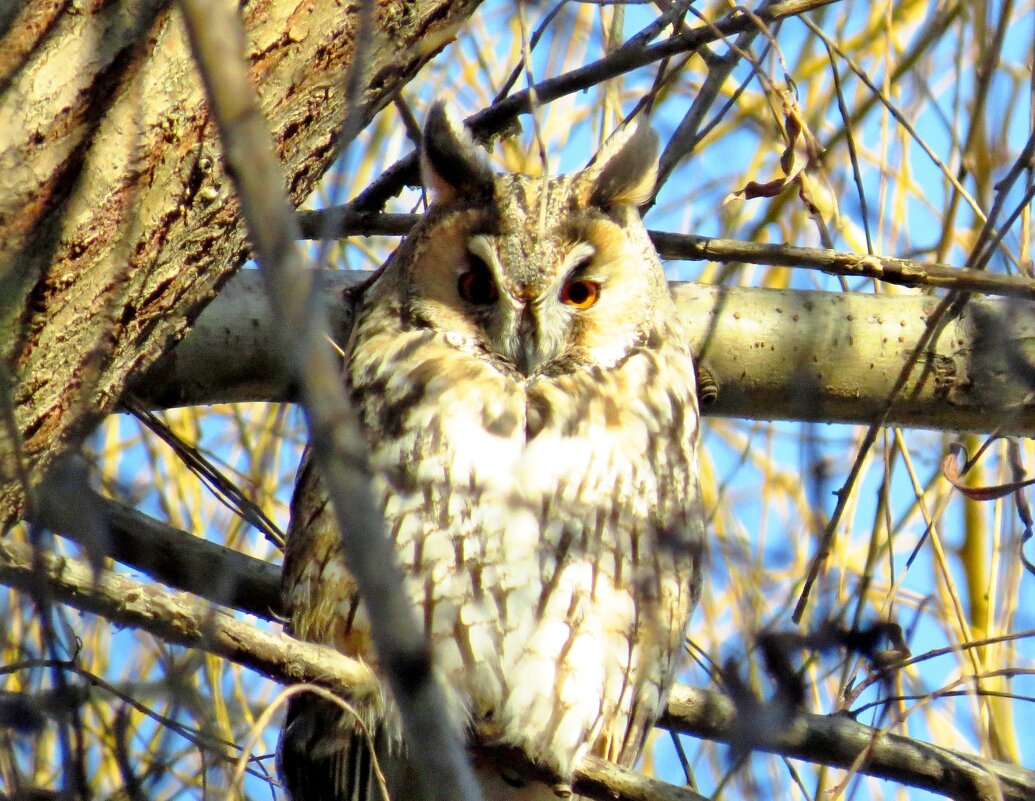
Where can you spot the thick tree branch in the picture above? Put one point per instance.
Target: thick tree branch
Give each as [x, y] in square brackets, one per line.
[117, 223]
[776, 354]
[185, 619]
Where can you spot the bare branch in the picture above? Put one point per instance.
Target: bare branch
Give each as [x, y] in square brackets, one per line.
[184, 619]
[839, 741]
[597, 778]
[902, 272]
[218, 40]
[342, 222]
[185, 562]
[776, 354]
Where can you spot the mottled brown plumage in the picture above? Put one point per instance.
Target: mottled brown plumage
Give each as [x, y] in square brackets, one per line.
[529, 401]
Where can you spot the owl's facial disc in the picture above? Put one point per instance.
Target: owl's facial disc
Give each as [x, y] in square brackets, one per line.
[529, 322]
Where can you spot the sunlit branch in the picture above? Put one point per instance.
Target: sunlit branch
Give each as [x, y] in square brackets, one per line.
[343, 222]
[217, 39]
[775, 355]
[185, 619]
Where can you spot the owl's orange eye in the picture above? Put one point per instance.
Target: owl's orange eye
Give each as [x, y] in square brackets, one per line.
[476, 286]
[580, 293]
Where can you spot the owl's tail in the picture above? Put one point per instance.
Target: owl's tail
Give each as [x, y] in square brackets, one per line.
[324, 756]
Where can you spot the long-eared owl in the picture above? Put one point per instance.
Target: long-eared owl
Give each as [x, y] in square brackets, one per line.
[528, 397]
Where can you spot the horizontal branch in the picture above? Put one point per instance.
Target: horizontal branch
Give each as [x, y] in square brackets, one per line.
[841, 742]
[775, 355]
[901, 272]
[342, 221]
[189, 563]
[181, 618]
[832, 740]
[185, 619]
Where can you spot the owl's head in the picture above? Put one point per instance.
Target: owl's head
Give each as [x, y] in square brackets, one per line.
[543, 275]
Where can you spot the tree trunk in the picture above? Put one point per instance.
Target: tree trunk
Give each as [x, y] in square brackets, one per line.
[117, 224]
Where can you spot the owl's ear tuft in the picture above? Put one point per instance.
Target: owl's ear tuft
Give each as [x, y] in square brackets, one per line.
[626, 168]
[451, 162]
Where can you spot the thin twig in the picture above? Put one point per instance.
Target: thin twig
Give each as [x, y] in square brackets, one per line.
[631, 55]
[690, 247]
[218, 41]
[688, 133]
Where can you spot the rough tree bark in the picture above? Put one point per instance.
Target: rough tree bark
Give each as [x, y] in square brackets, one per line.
[116, 222]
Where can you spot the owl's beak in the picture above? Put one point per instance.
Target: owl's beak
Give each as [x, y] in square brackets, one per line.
[528, 360]
[533, 350]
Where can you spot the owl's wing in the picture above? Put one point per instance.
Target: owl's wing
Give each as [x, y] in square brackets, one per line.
[324, 753]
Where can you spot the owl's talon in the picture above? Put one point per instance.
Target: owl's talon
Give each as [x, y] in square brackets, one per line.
[512, 779]
[562, 790]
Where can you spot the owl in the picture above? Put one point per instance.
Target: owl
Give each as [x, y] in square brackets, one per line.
[529, 400]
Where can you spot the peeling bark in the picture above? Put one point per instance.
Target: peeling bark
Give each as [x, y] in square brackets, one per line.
[117, 223]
